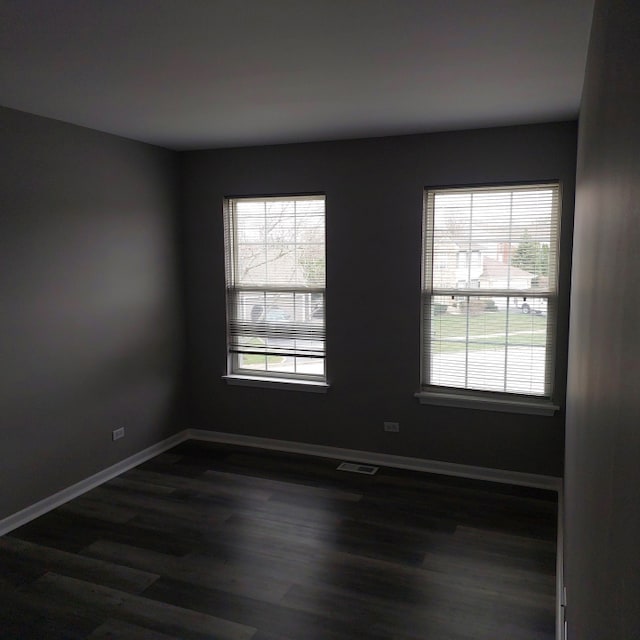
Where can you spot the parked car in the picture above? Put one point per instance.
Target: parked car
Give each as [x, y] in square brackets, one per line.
[531, 305]
[274, 314]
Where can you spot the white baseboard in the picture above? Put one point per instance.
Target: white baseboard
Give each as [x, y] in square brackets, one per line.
[367, 457]
[383, 459]
[61, 497]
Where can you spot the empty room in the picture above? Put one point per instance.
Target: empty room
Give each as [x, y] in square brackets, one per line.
[319, 319]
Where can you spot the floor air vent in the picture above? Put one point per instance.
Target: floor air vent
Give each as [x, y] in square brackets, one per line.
[357, 468]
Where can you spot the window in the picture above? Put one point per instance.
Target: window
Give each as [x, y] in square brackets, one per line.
[489, 292]
[275, 269]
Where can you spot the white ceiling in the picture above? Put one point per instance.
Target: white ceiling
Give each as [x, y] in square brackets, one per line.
[219, 73]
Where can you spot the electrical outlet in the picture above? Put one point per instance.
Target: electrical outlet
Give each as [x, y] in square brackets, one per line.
[392, 426]
[116, 434]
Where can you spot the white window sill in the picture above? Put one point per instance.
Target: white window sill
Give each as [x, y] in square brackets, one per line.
[532, 406]
[285, 384]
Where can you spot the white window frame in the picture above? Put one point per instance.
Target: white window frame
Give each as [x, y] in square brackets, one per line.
[236, 374]
[434, 394]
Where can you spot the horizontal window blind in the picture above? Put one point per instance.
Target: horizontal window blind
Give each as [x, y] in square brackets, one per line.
[490, 287]
[275, 261]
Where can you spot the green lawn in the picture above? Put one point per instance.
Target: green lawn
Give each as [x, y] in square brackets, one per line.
[248, 359]
[487, 330]
[254, 358]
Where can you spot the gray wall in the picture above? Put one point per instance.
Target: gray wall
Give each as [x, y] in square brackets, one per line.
[89, 327]
[603, 415]
[374, 208]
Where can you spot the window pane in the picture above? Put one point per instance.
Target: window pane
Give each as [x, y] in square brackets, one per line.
[313, 366]
[254, 358]
[487, 344]
[469, 341]
[494, 240]
[251, 266]
[280, 364]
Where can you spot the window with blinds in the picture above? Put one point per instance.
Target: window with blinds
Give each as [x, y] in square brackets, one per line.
[275, 262]
[489, 289]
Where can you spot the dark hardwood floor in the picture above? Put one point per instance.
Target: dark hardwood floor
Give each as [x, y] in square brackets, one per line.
[212, 541]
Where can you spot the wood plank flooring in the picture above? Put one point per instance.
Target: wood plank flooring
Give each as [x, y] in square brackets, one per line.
[232, 543]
